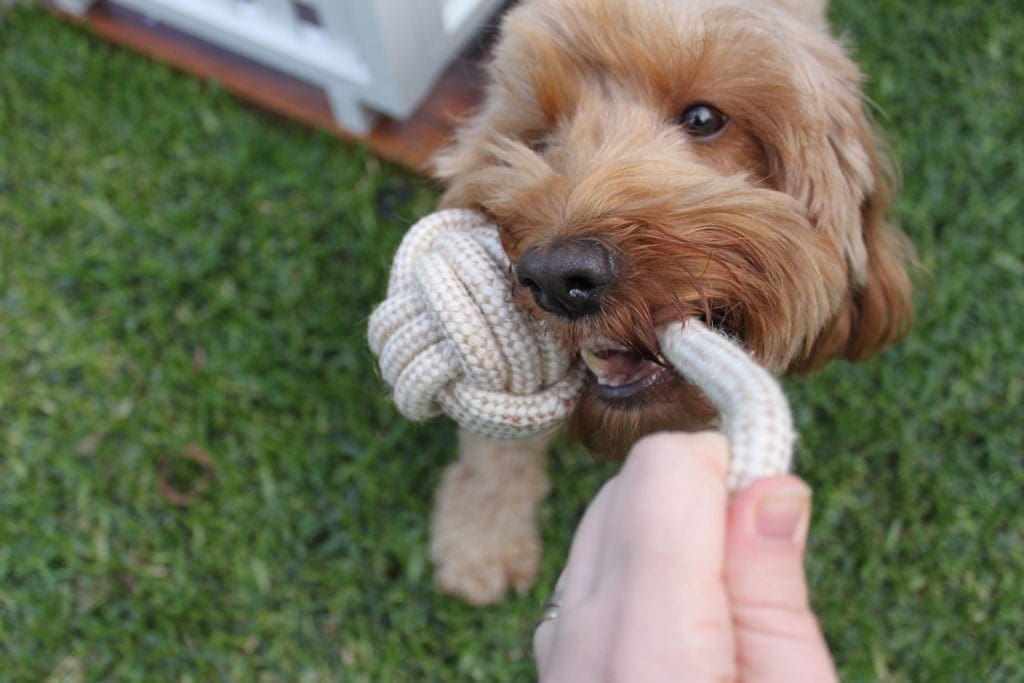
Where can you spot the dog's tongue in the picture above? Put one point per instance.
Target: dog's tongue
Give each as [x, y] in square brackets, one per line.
[613, 367]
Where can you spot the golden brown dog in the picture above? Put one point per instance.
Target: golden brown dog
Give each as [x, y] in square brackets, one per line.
[647, 160]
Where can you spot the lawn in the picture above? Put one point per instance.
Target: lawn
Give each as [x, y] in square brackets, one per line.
[182, 275]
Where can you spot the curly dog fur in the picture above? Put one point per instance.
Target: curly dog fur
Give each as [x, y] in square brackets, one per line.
[772, 227]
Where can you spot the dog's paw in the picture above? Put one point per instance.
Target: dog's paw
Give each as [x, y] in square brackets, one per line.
[484, 532]
[482, 574]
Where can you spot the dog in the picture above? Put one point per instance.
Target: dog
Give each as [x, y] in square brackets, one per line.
[647, 161]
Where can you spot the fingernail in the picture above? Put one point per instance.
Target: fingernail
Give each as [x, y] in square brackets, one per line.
[783, 514]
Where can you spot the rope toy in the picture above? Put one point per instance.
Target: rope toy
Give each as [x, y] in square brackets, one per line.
[450, 339]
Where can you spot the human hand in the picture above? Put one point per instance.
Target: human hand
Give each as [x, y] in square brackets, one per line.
[664, 582]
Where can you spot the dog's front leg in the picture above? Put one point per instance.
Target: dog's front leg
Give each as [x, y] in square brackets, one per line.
[484, 533]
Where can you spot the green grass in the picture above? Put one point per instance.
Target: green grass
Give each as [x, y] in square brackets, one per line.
[177, 268]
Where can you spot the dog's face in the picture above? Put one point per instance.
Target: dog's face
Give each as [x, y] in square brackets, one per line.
[648, 160]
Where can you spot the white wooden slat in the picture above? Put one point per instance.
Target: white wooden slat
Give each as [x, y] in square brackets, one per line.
[367, 55]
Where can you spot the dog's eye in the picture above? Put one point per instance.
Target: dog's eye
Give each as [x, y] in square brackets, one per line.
[702, 120]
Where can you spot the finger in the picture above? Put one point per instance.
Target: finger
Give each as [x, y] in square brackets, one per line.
[651, 455]
[578, 578]
[663, 559]
[669, 504]
[777, 637]
[646, 566]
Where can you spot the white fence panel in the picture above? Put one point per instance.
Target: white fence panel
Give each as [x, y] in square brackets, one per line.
[368, 55]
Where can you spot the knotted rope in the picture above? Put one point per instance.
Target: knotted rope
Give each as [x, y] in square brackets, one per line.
[450, 338]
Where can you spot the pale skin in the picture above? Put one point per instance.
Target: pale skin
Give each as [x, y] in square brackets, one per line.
[669, 580]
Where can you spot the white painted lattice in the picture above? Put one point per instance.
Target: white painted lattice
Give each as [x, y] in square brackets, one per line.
[368, 55]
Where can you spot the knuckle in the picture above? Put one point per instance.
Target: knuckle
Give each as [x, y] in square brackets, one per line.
[779, 620]
[703, 451]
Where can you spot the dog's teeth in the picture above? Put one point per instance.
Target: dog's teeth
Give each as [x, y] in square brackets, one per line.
[597, 366]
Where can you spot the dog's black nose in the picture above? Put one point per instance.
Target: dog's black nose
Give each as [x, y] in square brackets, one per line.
[568, 277]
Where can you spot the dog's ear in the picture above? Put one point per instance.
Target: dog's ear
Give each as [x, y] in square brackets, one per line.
[527, 78]
[876, 312]
[458, 159]
[504, 103]
[842, 174]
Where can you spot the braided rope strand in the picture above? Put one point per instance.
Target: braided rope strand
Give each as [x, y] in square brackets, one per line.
[450, 339]
[754, 411]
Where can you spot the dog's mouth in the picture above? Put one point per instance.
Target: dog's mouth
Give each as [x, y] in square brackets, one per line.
[622, 375]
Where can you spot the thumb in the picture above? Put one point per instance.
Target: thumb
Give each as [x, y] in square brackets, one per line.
[777, 637]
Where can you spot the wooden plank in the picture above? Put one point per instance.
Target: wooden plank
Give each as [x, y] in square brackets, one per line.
[410, 142]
